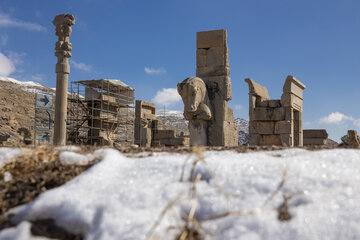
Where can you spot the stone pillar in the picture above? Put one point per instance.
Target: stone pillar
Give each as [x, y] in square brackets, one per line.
[212, 65]
[63, 25]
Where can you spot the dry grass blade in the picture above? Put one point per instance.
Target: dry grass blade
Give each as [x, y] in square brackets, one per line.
[253, 211]
[162, 214]
[279, 187]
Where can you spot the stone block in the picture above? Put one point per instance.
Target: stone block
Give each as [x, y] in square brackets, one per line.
[260, 103]
[149, 116]
[208, 39]
[161, 134]
[269, 140]
[256, 89]
[201, 57]
[294, 86]
[254, 139]
[230, 134]
[283, 127]
[269, 103]
[179, 141]
[315, 133]
[220, 85]
[290, 100]
[269, 114]
[274, 103]
[212, 71]
[262, 127]
[145, 137]
[354, 139]
[314, 141]
[287, 140]
[217, 56]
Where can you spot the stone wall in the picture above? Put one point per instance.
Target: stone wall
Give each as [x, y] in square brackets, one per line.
[276, 122]
[315, 137]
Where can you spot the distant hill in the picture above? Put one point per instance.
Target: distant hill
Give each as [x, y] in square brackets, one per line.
[17, 109]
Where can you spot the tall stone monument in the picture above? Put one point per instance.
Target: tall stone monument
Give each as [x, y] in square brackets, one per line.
[206, 96]
[63, 47]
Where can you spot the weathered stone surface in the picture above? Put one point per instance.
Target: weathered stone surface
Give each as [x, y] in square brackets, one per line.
[254, 139]
[179, 141]
[220, 85]
[212, 71]
[208, 39]
[257, 127]
[294, 86]
[257, 90]
[287, 140]
[315, 141]
[211, 121]
[161, 134]
[290, 100]
[269, 103]
[354, 139]
[277, 122]
[269, 140]
[147, 130]
[269, 114]
[274, 103]
[63, 23]
[315, 133]
[283, 127]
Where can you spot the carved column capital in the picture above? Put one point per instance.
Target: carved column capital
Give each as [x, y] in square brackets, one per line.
[63, 23]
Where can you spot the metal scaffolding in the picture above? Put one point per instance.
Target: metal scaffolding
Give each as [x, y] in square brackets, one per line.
[100, 112]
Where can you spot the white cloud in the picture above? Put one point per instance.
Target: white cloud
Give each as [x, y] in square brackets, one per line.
[7, 21]
[167, 97]
[4, 39]
[238, 107]
[357, 123]
[150, 70]
[16, 57]
[335, 118]
[81, 66]
[6, 66]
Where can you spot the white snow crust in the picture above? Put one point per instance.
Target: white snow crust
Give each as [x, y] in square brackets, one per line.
[7, 154]
[122, 197]
[26, 84]
[73, 158]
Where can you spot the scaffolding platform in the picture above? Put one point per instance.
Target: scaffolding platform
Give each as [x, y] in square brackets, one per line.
[100, 112]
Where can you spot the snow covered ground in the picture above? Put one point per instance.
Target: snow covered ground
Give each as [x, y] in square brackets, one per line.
[122, 197]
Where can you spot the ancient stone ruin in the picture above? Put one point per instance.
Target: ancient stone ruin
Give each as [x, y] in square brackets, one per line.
[206, 96]
[148, 130]
[315, 137]
[354, 139]
[276, 122]
[63, 47]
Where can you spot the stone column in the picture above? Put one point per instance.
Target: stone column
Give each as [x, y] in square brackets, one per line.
[63, 25]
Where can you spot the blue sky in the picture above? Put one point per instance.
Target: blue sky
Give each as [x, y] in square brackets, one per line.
[151, 46]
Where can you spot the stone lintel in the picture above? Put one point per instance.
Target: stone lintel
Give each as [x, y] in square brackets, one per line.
[208, 39]
[315, 133]
[315, 141]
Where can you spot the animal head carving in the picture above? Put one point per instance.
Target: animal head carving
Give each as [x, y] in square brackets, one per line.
[193, 93]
